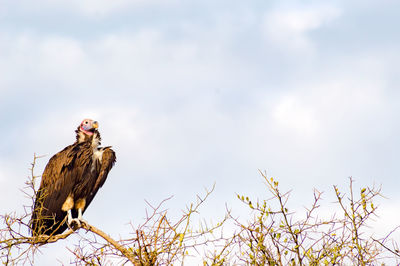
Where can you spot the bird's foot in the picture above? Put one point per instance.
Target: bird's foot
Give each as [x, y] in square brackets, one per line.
[74, 223]
[83, 222]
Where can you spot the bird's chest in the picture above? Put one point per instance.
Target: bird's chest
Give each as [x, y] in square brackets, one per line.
[96, 159]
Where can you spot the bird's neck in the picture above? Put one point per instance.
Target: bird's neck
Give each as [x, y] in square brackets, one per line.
[94, 139]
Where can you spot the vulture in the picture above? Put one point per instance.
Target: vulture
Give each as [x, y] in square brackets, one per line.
[70, 181]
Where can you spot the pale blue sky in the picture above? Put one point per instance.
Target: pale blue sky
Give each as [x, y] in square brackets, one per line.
[191, 93]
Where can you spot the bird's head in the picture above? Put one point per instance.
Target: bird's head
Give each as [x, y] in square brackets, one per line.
[86, 130]
[88, 126]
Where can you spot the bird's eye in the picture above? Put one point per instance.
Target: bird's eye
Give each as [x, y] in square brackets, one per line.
[86, 122]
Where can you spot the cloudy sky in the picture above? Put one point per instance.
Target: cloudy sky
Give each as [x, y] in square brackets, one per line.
[192, 93]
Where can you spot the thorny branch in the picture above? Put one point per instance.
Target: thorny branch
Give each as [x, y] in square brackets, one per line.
[276, 236]
[272, 235]
[159, 240]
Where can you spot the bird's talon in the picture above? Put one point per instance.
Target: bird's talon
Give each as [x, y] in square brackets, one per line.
[83, 222]
[75, 223]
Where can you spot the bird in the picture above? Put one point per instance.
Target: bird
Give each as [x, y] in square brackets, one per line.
[70, 181]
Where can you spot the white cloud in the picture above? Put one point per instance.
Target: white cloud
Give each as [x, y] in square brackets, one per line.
[145, 60]
[47, 60]
[90, 8]
[102, 7]
[191, 102]
[387, 218]
[60, 52]
[290, 26]
[295, 116]
[105, 7]
[10, 174]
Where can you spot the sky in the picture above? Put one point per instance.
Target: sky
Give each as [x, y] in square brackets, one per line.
[192, 93]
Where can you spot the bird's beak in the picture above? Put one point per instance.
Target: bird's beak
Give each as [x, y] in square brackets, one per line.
[95, 124]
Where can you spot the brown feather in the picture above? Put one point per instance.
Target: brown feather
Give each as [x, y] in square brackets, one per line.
[107, 162]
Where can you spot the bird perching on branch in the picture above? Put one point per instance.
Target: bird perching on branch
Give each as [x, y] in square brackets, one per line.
[70, 181]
